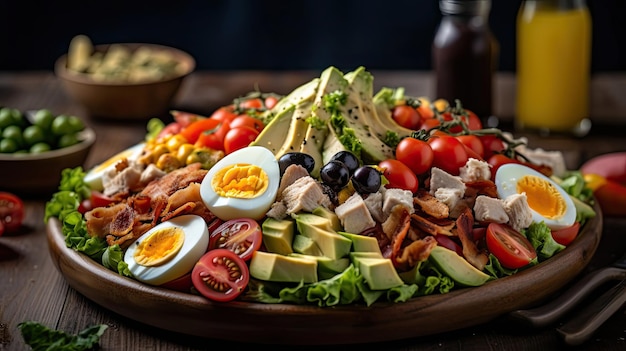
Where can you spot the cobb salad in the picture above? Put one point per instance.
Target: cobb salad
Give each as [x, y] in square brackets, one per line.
[329, 195]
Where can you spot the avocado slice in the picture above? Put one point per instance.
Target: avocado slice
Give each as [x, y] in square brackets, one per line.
[373, 149]
[456, 267]
[275, 267]
[326, 267]
[322, 211]
[278, 235]
[319, 229]
[305, 92]
[305, 245]
[363, 81]
[379, 272]
[273, 135]
[362, 243]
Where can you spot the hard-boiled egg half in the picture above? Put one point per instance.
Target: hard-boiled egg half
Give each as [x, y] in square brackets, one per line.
[242, 184]
[169, 250]
[93, 178]
[548, 201]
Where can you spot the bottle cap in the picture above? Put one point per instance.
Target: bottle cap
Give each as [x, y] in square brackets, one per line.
[465, 7]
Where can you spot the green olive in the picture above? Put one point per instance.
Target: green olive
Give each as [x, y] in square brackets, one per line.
[43, 118]
[8, 146]
[61, 125]
[39, 148]
[67, 140]
[33, 135]
[15, 133]
[6, 117]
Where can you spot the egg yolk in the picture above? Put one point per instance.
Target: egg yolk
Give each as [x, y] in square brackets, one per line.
[243, 181]
[159, 247]
[542, 196]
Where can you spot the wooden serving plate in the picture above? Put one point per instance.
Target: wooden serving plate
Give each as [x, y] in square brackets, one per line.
[310, 325]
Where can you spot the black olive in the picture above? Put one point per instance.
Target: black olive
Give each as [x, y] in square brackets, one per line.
[366, 180]
[298, 158]
[348, 158]
[335, 174]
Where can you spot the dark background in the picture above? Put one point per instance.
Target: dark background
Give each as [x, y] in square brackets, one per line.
[274, 35]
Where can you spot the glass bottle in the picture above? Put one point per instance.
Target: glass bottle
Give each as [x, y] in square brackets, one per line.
[464, 55]
[553, 66]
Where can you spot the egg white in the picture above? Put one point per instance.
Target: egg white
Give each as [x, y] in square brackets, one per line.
[195, 245]
[229, 207]
[506, 180]
[93, 178]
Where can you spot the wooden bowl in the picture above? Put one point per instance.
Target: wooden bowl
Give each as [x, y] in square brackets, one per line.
[40, 174]
[310, 325]
[121, 100]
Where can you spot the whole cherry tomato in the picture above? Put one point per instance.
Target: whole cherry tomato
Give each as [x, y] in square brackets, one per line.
[449, 153]
[473, 142]
[415, 154]
[248, 121]
[240, 137]
[406, 116]
[399, 175]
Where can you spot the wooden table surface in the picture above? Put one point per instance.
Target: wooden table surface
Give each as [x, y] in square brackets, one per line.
[31, 289]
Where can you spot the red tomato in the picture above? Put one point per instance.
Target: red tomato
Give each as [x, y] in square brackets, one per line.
[254, 103]
[399, 175]
[510, 247]
[491, 145]
[238, 138]
[170, 129]
[406, 116]
[225, 113]
[448, 243]
[96, 199]
[182, 284]
[424, 109]
[220, 275]
[471, 120]
[565, 236]
[214, 139]
[430, 123]
[416, 154]
[449, 153]
[193, 131]
[498, 160]
[248, 121]
[243, 236]
[185, 118]
[473, 143]
[271, 101]
[11, 212]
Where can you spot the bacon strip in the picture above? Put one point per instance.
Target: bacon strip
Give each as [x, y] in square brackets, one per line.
[464, 226]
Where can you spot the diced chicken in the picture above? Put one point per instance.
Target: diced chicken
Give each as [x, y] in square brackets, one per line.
[354, 215]
[552, 159]
[374, 203]
[475, 170]
[441, 179]
[305, 194]
[490, 209]
[292, 173]
[278, 210]
[151, 173]
[518, 210]
[393, 197]
[122, 181]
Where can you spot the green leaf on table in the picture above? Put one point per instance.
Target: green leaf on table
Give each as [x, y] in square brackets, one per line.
[41, 338]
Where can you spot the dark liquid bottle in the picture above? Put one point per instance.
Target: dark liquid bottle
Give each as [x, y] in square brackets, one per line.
[464, 52]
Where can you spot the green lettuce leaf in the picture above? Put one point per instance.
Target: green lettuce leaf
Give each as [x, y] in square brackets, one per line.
[42, 338]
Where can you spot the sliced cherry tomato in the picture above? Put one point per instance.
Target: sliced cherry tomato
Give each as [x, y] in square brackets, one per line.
[242, 236]
[491, 145]
[220, 275]
[96, 199]
[565, 236]
[406, 116]
[416, 154]
[399, 175]
[193, 131]
[449, 153]
[447, 242]
[238, 138]
[473, 143]
[247, 121]
[509, 246]
[11, 212]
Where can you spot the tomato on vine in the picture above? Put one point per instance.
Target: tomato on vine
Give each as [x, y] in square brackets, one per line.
[415, 154]
[449, 153]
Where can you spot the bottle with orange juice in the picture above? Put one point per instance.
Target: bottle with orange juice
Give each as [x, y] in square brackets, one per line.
[553, 66]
